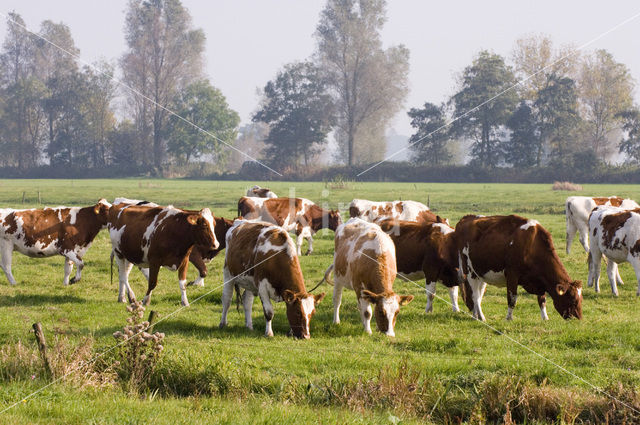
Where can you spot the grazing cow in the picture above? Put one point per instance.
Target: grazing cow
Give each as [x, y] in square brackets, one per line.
[578, 208]
[261, 258]
[616, 234]
[511, 251]
[298, 214]
[401, 210]
[365, 261]
[157, 237]
[199, 257]
[260, 192]
[51, 231]
[426, 250]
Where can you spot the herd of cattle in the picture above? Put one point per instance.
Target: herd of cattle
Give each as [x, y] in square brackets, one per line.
[380, 241]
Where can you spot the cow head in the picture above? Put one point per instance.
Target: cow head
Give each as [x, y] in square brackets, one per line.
[203, 226]
[335, 219]
[101, 210]
[387, 306]
[300, 308]
[568, 299]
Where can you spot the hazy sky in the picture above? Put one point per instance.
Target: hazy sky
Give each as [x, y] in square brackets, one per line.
[249, 40]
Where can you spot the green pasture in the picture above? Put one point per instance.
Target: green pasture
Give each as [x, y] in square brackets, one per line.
[235, 375]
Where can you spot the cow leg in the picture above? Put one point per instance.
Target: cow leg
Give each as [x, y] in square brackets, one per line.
[6, 250]
[595, 257]
[583, 229]
[310, 242]
[431, 294]
[153, 281]
[145, 272]
[453, 294]
[182, 281]
[337, 301]
[267, 307]
[635, 262]
[477, 288]
[612, 269]
[365, 314]
[512, 293]
[68, 268]
[542, 302]
[199, 264]
[227, 295]
[124, 267]
[299, 240]
[571, 233]
[79, 266]
[247, 305]
[618, 277]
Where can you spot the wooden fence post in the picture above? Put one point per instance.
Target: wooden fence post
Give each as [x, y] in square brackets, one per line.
[23, 196]
[39, 198]
[152, 318]
[42, 346]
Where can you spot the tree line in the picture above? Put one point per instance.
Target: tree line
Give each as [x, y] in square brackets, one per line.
[542, 106]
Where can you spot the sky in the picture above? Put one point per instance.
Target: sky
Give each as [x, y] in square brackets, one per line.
[248, 41]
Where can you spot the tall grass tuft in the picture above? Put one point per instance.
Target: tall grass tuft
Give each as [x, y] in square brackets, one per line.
[567, 186]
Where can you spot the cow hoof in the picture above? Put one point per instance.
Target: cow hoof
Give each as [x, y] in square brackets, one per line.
[122, 300]
[308, 253]
[184, 304]
[146, 300]
[222, 325]
[73, 280]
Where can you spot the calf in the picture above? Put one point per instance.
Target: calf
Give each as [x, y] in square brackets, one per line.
[426, 250]
[298, 214]
[51, 231]
[365, 261]
[260, 192]
[261, 258]
[199, 257]
[511, 251]
[401, 210]
[616, 234]
[157, 237]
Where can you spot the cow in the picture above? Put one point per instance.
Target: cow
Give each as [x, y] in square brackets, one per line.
[511, 251]
[426, 250]
[401, 210]
[577, 211]
[157, 237]
[365, 260]
[260, 192]
[38, 233]
[261, 258]
[292, 214]
[199, 257]
[615, 232]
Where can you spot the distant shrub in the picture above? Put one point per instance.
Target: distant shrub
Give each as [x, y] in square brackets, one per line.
[568, 186]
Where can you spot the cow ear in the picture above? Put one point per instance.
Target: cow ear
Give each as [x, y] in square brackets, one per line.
[405, 299]
[289, 296]
[439, 219]
[318, 297]
[369, 296]
[560, 289]
[192, 219]
[96, 209]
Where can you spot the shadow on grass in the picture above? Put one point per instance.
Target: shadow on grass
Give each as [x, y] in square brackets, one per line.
[38, 299]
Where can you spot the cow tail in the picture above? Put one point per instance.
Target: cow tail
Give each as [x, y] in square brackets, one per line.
[111, 256]
[324, 279]
[238, 296]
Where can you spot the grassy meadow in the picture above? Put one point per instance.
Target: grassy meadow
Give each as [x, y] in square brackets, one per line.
[443, 367]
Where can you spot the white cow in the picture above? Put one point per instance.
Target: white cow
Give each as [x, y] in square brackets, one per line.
[400, 210]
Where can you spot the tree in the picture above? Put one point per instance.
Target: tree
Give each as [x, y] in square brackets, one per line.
[535, 58]
[606, 89]
[205, 106]
[558, 119]
[630, 143]
[164, 56]
[429, 143]
[368, 83]
[487, 77]
[100, 116]
[299, 112]
[524, 142]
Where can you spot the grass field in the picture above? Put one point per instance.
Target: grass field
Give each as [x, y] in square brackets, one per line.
[441, 367]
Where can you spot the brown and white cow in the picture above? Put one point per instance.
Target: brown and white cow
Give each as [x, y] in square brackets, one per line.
[199, 256]
[616, 234]
[511, 251]
[292, 214]
[261, 258]
[365, 261]
[51, 231]
[401, 210]
[260, 192]
[426, 250]
[157, 237]
[578, 209]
